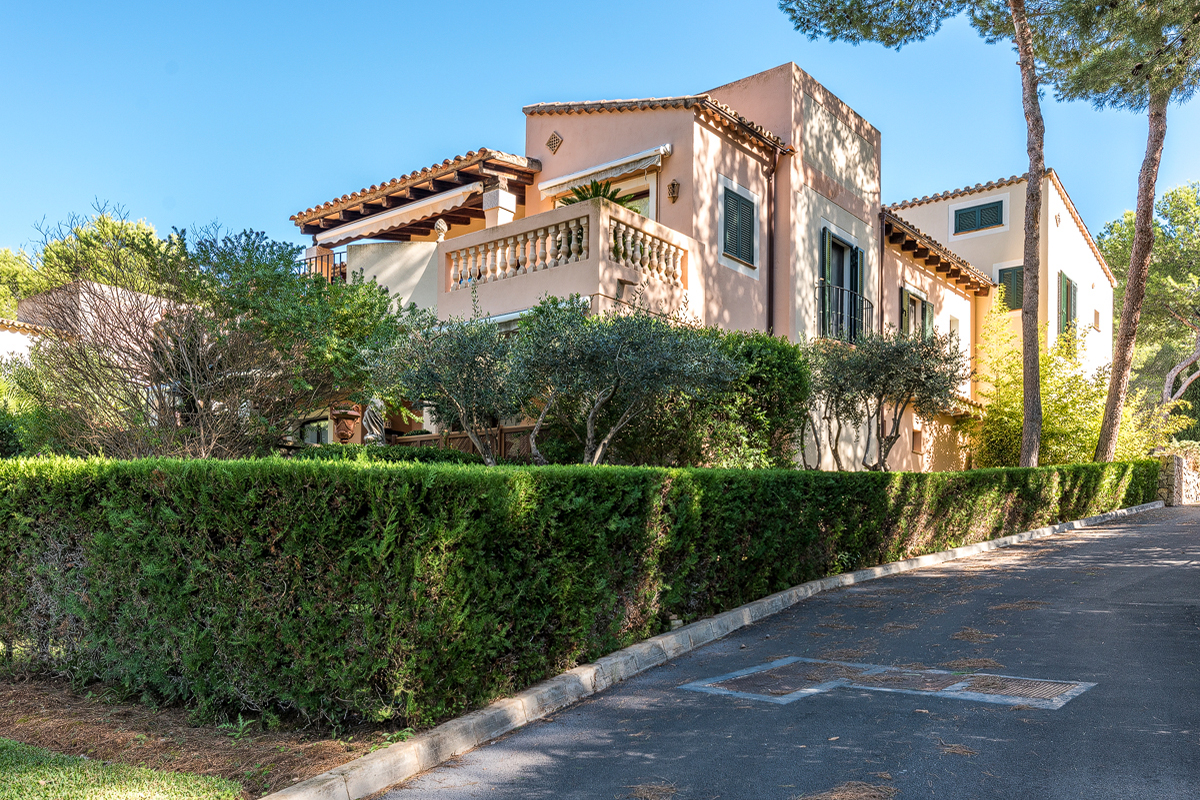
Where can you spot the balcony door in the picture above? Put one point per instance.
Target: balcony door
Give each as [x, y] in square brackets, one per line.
[840, 288]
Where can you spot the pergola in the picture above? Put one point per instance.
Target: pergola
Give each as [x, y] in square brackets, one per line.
[409, 207]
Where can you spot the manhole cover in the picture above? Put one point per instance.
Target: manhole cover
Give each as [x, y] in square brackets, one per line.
[1018, 687]
[789, 678]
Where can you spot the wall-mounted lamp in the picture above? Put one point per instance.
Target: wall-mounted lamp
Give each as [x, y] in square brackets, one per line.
[673, 190]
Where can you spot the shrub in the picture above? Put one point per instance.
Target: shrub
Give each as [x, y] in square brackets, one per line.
[387, 454]
[1072, 403]
[345, 590]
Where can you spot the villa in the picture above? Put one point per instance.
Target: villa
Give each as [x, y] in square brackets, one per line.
[757, 206]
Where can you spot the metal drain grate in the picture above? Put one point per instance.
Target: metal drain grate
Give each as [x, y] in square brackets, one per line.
[790, 678]
[916, 681]
[787, 680]
[1018, 687]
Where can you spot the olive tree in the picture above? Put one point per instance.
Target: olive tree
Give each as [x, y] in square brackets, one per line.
[602, 370]
[457, 368]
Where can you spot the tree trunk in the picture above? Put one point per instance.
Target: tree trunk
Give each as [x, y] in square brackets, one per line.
[1031, 429]
[1135, 284]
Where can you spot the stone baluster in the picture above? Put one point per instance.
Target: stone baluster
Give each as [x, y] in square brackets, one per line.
[501, 260]
[575, 248]
[453, 270]
[583, 238]
[522, 257]
[677, 264]
[541, 248]
[618, 250]
[654, 265]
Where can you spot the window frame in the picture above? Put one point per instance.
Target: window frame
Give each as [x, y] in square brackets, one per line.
[1068, 303]
[1010, 297]
[731, 260]
[854, 270]
[968, 203]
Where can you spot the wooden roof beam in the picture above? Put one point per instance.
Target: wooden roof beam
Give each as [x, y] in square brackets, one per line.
[909, 245]
[932, 260]
[896, 237]
[920, 253]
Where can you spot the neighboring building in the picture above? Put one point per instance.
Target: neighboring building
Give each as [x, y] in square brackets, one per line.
[16, 338]
[985, 225]
[757, 207]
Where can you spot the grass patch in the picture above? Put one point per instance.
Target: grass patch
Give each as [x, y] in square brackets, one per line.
[31, 773]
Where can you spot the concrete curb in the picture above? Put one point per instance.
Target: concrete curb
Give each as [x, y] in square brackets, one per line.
[401, 761]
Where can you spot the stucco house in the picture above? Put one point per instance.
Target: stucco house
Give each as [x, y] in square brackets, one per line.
[758, 206]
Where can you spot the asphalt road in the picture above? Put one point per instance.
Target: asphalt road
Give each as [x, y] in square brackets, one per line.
[1116, 606]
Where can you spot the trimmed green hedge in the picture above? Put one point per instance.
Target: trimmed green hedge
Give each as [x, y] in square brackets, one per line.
[386, 454]
[346, 590]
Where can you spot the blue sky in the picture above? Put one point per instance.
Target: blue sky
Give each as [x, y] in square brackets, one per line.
[244, 113]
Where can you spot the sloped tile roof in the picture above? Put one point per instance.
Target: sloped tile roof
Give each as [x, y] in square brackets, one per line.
[999, 184]
[375, 191]
[935, 246]
[653, 103]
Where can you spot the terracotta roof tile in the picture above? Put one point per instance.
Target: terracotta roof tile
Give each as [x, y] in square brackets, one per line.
[22, 327]
[983, 187]
[653, 103]
[415, 177]
[937, 247]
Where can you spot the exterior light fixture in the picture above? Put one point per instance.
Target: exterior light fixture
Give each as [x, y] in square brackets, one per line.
[673, 190]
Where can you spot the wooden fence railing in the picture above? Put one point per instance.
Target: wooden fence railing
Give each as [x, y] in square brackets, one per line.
[506, 441]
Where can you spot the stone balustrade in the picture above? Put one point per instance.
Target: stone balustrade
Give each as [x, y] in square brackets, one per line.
[637, 248]
[542, 248]
[592, 231]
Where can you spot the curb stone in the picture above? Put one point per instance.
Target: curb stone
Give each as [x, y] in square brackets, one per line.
[391, 765]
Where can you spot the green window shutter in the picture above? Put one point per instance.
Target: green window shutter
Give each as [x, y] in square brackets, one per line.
[1074, 302]
[731, 223]
[826, 275]
[1064, 297]
[904, 310]
[988, 215]
[965, 219]
[746, 222]
[1013, 281]
[927, 318]
[991, 215]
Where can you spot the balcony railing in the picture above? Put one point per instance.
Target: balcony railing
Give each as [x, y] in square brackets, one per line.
[845, 315]
[590, 232]
[330, 265]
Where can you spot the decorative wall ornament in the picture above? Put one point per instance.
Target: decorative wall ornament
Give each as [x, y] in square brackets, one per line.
[441, 228]
[554, 142]
[673, 190]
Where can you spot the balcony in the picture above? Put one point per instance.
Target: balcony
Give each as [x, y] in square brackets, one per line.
[595, 248]
[845, 315]
[331, 266]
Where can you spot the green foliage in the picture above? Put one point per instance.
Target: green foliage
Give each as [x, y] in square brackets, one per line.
[1072, 402]
[598, 191]
[349, 590]
[1169, 328]
[386, 454]
[756, 421]
[18, 278]
[31, 773]
[458, 368]
[598, 372]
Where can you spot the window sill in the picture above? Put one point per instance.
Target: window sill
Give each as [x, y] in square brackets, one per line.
[732, 257]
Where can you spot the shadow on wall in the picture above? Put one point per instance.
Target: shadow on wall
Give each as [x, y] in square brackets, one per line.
[948, 447]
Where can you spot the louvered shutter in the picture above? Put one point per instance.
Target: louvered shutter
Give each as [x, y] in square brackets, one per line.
[990, 215]
[1064, 297]
[1074, 302]
[731, 223]
[964, 220]
[1018, 287]
[927, 318]
[826, 278]
[904, 321]
[746, 221]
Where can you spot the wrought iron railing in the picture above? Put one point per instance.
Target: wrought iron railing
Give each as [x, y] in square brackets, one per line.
[330, 265]
[844, 314]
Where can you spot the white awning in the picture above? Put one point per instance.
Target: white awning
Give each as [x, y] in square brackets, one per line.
[601, 172]
[412, 212]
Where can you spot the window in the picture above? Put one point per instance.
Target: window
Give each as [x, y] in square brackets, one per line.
[954, 327]
[740, 221]
[1013, 281]
[975, 218]
[1096, 324]
[1068, 303]
[916, 314]
[315, 432]
[918, 443]
[845, 313]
